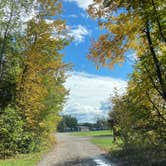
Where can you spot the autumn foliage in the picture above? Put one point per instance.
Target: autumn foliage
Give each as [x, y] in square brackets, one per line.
[32, 74]
[135, 28]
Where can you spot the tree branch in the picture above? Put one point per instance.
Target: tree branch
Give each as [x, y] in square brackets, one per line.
[155, 107]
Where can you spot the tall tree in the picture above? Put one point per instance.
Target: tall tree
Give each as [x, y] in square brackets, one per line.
[42, 66]
[136, 27]
[132, 26]
[12, 14]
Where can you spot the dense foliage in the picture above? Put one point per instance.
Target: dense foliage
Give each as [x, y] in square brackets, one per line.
[32, 73]
[136, 28]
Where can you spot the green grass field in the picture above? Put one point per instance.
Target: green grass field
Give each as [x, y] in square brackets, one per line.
[102, 139]
[93, 133]
[107, 143]
[103, 143]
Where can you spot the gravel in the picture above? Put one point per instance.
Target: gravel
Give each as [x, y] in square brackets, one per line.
[74, 151]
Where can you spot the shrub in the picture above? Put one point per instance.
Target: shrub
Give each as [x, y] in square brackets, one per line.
[10, 132]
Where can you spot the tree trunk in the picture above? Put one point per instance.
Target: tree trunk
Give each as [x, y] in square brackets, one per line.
[156, 63]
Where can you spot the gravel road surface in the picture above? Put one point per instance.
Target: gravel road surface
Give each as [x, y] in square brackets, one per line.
[74, 151]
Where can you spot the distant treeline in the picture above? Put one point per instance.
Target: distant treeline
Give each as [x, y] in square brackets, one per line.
[69, 123]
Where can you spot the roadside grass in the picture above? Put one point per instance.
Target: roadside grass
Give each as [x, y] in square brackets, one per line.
[139, 156]
[93, 133]
[106, 143]
[22, 160]
[30, 159]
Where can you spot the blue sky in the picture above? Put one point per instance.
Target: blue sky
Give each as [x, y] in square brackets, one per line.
[89, 88]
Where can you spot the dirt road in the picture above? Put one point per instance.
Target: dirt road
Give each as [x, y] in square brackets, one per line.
[74, 151]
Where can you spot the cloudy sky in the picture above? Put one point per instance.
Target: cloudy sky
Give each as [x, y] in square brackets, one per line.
[89, 95]
[90, 89]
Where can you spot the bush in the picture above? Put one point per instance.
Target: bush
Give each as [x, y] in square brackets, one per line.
[28, 143]
[10, 132]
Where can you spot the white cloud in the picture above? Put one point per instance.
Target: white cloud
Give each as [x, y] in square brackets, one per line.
[88, 93]
[78, 33]
[81, 3]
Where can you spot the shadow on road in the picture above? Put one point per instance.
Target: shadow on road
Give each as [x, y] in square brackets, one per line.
[96, 161]
[78, 162]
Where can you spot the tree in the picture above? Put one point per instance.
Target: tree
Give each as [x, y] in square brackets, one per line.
[11, 26]
[67, 122]
[139, 114]
[42, 75]
[137, 26]
[101, 124]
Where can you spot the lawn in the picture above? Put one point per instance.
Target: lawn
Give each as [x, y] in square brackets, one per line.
[93, 133]
[102, 139]
[103, 143]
